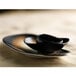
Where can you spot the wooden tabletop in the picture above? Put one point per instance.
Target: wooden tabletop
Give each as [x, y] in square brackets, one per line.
[60, 23]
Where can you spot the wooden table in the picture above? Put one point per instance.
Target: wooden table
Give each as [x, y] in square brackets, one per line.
[61, 23]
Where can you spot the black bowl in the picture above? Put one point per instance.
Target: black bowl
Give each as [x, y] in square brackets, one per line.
[52, 39]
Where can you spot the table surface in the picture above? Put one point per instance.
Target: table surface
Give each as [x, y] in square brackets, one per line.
[60, 23]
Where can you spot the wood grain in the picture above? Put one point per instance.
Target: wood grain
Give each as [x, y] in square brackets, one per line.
[59, 23]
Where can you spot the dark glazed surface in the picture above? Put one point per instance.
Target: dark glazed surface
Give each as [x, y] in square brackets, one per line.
[41, 49]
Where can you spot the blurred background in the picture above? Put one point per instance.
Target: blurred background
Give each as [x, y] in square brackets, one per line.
[60, 23]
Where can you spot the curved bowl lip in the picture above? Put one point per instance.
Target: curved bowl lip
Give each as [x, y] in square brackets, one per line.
[20, 51]
[50, 41]
[62, 39]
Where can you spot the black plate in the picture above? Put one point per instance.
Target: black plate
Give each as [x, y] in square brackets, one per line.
[17, 43]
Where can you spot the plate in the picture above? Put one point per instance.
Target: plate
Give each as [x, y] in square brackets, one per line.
[17, 43]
